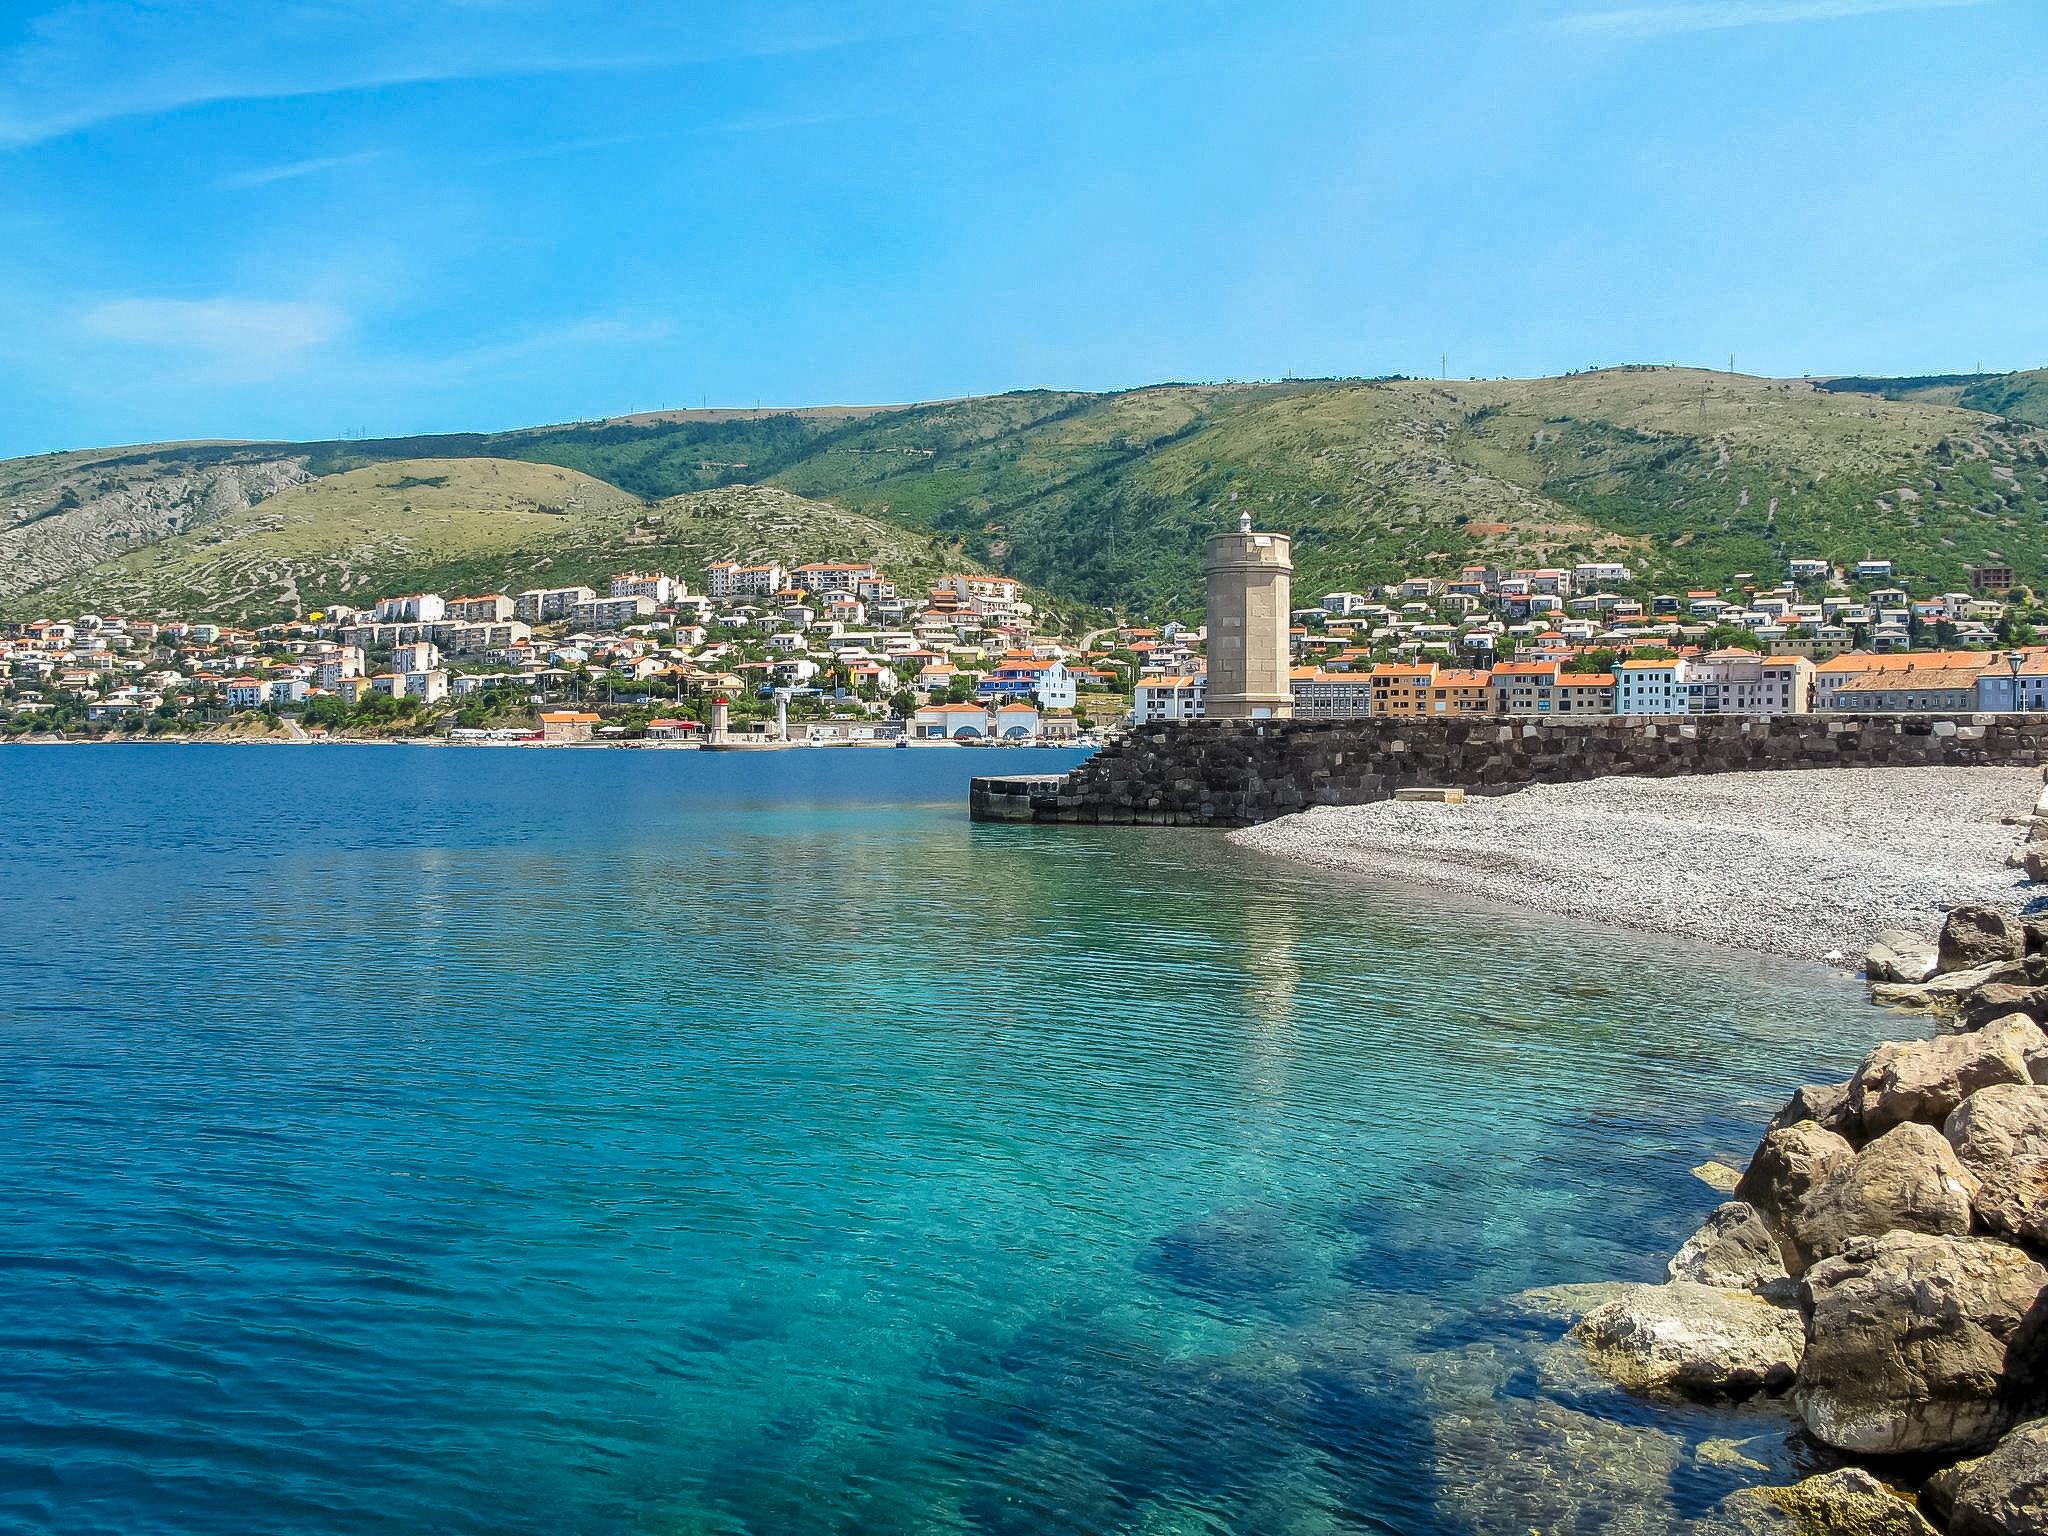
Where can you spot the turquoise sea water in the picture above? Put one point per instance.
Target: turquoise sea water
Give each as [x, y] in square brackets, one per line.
[506, 1141]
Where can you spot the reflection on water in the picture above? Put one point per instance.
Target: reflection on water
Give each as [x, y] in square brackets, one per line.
[489, 1141]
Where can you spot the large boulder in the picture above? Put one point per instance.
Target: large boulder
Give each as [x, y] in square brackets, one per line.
[1940, 994]
[1997, 999]
[1733, 1250]
[2000, 1134]
[1909, 1179]
[1980, 934]
[1787, 1184]
[1925, 1080]
[2004, 1493]
[1697, 1340]
[1917, 1343]
[1847, 1502]
[1825, 1104]
[1896, 955]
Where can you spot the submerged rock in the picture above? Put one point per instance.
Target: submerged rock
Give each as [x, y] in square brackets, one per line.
[1733, 1250]
[1509, 1462]
[1848, 1502]
[1787, 1179]
[2000, 1134]
[1978, 933]
[1718, 1176]
[1925, 1080]
[1896, 955]
[1912, 1342]
[1698, 1340]
[2003, 1493]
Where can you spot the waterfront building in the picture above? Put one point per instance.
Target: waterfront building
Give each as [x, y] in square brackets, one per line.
[1250, 597]
[949, 722]
[565, 727]
[1162, 699]
[1996, 685]
[1401, 688]
[1017, 721]
[1649, 687]
[1739, 682]
[1321, 695]
[1910, 690]
[1461, 691]
[1525, 687]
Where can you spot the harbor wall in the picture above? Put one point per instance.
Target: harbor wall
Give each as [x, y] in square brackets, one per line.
[1231, 773]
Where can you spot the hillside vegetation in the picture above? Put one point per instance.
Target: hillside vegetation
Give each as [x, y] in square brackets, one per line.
[1689, 476]
[462, 526]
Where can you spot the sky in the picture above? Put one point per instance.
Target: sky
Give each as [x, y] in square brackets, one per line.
[249, 219]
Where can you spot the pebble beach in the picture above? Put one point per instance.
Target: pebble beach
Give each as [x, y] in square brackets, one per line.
[1807, 863]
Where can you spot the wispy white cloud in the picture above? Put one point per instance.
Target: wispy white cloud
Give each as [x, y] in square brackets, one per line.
[266, 175]
[89, 61]
[1722, 15]
[243, 339]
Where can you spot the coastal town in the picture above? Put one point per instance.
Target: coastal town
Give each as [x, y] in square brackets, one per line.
[832, 652]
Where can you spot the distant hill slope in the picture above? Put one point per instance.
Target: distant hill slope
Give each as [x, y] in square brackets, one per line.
[1687, 475]
[462, 526]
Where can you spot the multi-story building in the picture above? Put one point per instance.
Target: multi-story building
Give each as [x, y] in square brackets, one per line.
[1584, 693]
[1401, 688]
[1910, 690]
[414, 608]
[728, 578]
[419, 656]
[1809, 570]
[1525, 687]
[833, 576]
[1739, 682]
[243, 693]
[662, 589]
[610, 612]
[281, 691]
[542, 605]
[491, 608]
[1320, 695]
[1461, 691]
[1998, 688]
[1157, 699]
[1650, 687]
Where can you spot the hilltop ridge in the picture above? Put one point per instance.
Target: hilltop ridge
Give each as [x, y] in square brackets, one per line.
[1692, 476]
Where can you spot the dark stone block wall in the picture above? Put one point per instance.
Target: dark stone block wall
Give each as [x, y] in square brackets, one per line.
[1218, 773]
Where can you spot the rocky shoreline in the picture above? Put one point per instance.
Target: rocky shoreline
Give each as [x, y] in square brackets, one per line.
[1881, 1267]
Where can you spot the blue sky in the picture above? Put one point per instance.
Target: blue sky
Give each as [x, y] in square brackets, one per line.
[244, 218]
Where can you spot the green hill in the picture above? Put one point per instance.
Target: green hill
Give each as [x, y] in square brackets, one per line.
[466, 525]
[1689, 476]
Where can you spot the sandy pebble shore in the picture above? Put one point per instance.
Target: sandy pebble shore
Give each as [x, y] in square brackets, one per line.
[1795, 863]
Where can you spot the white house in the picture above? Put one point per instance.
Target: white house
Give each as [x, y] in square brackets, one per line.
[949, 722]
[1017, 722]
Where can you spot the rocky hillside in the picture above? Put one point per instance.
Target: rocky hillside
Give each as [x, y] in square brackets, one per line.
[1692, 477]
[465, 525]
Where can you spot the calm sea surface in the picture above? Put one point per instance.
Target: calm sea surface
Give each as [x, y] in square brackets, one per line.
[511, 1141]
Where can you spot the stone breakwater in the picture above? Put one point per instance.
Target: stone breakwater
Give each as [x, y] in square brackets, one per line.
[1239, 773]
[1882, 1264]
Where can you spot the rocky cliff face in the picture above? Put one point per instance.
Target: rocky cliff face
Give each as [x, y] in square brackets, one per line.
[65, 513]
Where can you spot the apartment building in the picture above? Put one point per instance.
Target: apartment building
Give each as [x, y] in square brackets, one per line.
[728, 578]
[610, 612]
[1320, 695]
[1159, 699]
[542, 605]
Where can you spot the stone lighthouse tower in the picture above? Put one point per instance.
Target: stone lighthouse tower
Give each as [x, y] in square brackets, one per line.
[1251, 592]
